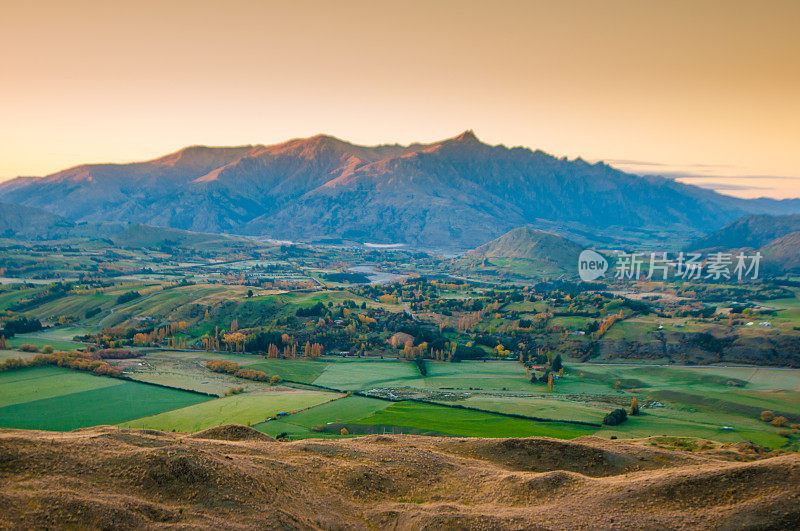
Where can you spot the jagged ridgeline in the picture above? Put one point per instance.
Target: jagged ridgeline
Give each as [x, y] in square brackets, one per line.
[456, 193]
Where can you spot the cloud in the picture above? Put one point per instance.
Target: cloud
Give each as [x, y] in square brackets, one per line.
[730, 186]
[689, 175]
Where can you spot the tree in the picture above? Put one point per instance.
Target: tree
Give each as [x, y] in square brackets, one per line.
[550, 381]
[249, 293]
[767, 416]
[616, 417]
[634, 406]
[344, 431]
[779, 421]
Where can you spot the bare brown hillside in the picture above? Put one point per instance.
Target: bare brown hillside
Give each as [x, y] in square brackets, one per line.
[231, 477]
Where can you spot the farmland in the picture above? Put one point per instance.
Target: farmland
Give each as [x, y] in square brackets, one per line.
[250, 408]
[425, 353]
[58, 399]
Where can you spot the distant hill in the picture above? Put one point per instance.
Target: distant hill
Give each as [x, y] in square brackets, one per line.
[750, 231]
[28, 223]
[18, 221]
[784, 252]
[776, 237]
[455, 193]
[531, 244]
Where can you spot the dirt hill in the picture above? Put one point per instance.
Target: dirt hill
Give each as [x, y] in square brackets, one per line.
[108, 477]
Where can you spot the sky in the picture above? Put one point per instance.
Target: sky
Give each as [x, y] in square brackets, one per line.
[705, 91]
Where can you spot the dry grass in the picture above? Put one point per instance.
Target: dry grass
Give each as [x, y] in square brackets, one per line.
[109, 477]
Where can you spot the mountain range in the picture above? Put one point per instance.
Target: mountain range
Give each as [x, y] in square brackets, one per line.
[456, 194]
[776, 237]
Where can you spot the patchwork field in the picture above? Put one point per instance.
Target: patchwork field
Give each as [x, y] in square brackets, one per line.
[344, 410]
[48, 398]
[427, 418]
[250, 408]
[718, 403]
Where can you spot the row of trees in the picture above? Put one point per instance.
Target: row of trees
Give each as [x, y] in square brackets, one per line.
[229, 367]
[71, 360]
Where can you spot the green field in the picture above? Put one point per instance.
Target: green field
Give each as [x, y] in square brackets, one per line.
[48, 398]
[57, 344]
[249, 408]
[295, 370]
[466, 423]
[343, 410]
[688, 401]
[357, 375]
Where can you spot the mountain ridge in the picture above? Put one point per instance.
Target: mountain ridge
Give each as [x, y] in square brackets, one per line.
[454, 193]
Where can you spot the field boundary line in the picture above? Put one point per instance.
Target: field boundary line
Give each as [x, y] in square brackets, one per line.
[453, 406]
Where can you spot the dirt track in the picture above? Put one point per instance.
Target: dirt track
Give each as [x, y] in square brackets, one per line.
[233, 477]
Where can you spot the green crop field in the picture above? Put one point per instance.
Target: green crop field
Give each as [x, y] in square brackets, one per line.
[356, 375]
[343, 411]
[38, 383]
[249, 408]
[305, 371]
[47, 398]
[466, 423]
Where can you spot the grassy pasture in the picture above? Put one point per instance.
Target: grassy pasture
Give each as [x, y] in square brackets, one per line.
[305, 371]
[248, 408]
[58, 344]
[343, 410]
[358, 375]
[91, 402]
[37, 383]
[466, 423]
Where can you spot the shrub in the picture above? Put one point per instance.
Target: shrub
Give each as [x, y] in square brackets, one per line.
[227, 367]
[251, 374]
[27, 347]
[47, 349]
[275, 380]
[767, 416]
[344, 431]
[616, 417]
[779, 421]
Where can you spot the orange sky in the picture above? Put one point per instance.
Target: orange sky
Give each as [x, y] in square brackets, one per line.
[697, 87]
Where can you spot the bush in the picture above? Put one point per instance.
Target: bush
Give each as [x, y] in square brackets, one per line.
[227, 367]
[27, 347]
[779, 421]
[251, 374]
[275, 380]
[117, 354]
[47, 349]
[767, 416]
[616, 417]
